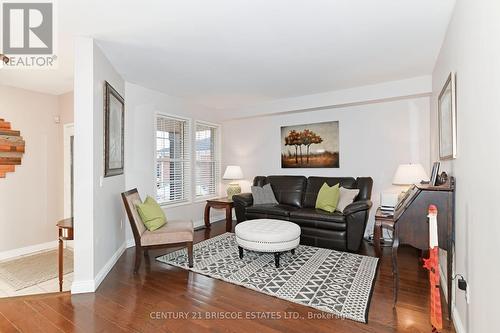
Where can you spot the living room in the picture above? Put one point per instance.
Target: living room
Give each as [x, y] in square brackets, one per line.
[257, 166]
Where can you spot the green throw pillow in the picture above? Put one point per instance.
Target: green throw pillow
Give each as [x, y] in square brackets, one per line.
[328, 198]
[151, 214]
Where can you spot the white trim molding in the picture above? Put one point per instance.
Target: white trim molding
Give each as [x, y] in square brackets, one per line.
[22, 251]
[457, 321]
[69, 131]
[81, 287]
[109, 265]
[90, 286]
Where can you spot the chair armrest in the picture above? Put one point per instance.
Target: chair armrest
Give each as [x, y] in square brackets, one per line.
[357, 206]
[243, 199]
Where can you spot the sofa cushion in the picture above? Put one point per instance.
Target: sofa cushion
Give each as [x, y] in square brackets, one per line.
[328, 198]
[314, 185]
[288, 190]
[346, 198]
[269, 209]
[317, 214]
[263, 195]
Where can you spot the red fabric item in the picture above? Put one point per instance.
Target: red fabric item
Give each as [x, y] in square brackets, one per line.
[432, 265]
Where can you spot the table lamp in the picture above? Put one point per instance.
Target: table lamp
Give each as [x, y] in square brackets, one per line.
[233, 172]
[409, 174]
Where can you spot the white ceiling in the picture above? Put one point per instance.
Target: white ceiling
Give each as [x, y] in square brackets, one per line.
[234, 53]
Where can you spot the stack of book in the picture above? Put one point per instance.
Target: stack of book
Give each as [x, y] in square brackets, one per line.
[387, 210]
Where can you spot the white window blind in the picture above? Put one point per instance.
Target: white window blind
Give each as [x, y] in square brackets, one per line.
[172, 160]
[207, 160]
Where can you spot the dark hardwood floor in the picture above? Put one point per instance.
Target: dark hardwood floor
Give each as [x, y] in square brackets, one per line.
[160, 297]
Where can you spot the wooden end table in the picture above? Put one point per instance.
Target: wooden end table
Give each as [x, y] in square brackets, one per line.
[220, 203]
[65, 228]
[384, 220]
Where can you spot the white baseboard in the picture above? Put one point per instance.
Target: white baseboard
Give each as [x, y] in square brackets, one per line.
[90, 286]
[457, 321]
[455, 317]
[215, 217]
[130, 243]
[109, 265]
[27, 250]
[81, 287]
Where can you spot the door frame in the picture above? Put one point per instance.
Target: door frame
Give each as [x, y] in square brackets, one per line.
[69, 131]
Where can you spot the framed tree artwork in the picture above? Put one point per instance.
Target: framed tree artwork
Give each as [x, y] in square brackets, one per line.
[447, 119]
[114, 119]
[310, 145]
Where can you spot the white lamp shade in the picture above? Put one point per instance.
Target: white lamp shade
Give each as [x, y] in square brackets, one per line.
[233, 172]
[408, 174]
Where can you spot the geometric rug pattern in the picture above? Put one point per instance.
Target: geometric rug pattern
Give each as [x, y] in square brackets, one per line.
[336, 282]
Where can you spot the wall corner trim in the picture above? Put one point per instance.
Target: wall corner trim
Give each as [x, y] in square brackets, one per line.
[90, 286]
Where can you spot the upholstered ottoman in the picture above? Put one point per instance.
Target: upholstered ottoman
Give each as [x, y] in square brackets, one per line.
[267, 235]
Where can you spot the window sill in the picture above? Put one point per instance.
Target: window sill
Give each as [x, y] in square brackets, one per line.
[208, 197]
[173, 205]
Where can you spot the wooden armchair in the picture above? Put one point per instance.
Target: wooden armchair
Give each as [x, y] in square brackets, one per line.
[174, 233]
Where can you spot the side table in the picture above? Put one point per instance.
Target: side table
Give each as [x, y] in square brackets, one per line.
[65, 228]
[384, 220]
[220, 203]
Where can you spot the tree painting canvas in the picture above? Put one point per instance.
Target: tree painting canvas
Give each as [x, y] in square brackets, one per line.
[310, 146]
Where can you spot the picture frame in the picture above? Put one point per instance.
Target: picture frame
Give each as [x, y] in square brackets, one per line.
[434, 173]
[313, 145]
[447, 120]
[114, 134]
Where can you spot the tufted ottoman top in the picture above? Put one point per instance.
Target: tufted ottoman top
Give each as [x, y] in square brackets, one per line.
[267, 230]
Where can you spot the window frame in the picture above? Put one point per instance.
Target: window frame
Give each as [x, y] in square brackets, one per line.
[188, 160]
[218, 154]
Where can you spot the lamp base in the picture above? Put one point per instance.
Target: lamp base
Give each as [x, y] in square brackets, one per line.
[233, 189]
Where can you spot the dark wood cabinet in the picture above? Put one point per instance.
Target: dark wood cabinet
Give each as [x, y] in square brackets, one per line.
[410, 225]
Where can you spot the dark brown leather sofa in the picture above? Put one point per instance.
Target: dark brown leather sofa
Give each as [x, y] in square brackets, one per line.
[296, 196]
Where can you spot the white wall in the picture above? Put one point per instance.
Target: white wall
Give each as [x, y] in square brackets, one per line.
[142, 104]
[30, 198]
[374, 139]
[99, 215]
[471, 49]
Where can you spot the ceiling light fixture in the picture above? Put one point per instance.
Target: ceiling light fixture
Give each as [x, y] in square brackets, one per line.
[3, 60]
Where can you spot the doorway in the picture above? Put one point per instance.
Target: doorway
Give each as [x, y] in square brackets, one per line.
[69, 138]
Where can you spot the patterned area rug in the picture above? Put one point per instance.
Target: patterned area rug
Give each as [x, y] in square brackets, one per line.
[340, 283]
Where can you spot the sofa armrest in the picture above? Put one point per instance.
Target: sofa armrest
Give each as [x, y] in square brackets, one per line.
[243, 199]
[241, 202]
[357, 206]
[356, 217]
